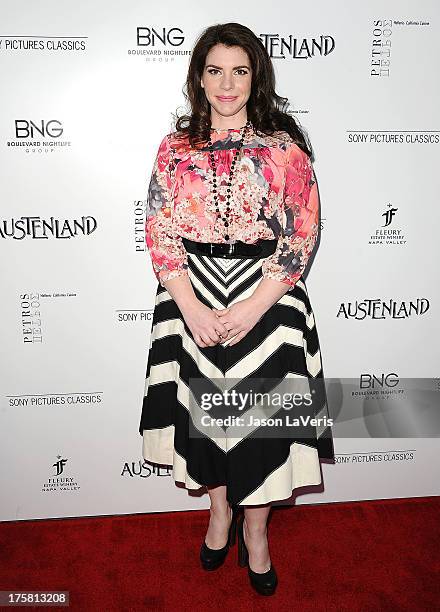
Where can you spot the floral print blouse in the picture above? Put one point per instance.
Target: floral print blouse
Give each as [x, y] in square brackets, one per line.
[274, 195]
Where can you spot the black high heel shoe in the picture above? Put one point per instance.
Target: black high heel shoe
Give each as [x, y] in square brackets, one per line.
[212, 558]
[264, 583]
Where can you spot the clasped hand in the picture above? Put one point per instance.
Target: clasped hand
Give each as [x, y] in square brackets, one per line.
[213, 326]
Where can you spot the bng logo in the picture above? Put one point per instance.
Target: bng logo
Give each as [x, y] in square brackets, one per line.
[371, 381]
[152, 37]
[26, 128]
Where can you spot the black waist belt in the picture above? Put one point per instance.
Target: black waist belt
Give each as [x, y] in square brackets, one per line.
[261, 248]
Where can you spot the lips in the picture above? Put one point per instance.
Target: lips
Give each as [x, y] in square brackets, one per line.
[227, 98]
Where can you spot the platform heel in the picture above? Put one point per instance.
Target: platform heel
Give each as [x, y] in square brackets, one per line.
[212, 558]
[265, 583]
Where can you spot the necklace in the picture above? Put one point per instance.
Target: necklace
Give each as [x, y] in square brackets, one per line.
[225, 219]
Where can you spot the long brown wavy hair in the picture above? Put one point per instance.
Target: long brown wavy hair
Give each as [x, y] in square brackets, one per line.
[265, 108]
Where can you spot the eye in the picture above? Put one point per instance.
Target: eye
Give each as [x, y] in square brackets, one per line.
[242, 71]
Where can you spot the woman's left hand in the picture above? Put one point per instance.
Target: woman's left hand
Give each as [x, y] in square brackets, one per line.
[239, 319]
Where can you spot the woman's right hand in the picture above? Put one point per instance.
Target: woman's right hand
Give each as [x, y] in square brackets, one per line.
[204, 325]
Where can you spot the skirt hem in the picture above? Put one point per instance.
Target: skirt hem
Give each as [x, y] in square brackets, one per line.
[302, 468]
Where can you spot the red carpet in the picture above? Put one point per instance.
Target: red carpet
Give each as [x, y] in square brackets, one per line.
[349, 556]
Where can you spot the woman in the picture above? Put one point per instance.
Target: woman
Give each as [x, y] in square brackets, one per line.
[232, 218]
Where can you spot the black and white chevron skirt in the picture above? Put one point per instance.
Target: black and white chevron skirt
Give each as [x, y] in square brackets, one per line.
[276, 447]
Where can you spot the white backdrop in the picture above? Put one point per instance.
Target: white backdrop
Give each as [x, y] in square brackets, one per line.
[85, 102]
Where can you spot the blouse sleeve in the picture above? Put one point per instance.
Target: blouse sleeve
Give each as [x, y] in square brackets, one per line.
[299, 230]
[168, 255]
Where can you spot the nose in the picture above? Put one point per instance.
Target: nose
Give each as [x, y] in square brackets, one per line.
[227, 82]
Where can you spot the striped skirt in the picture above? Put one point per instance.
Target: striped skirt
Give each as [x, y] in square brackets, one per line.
[257, 463]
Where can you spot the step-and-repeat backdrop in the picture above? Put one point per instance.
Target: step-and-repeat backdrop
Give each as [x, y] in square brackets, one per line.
[88, 92]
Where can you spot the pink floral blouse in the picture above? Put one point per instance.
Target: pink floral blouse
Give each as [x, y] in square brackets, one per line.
[274, 195]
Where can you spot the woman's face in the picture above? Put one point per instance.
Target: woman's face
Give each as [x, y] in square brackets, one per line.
[227, 79]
